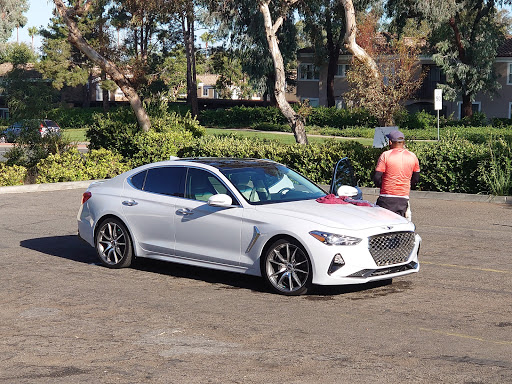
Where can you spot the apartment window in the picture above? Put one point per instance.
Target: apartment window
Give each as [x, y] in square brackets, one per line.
[342, 70]
[205, 91]
[476, 106]
[313, 101]
[308, 72]
[510, 110]
[509, 74]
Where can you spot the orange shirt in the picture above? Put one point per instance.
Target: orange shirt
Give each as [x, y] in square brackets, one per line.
[397, 165]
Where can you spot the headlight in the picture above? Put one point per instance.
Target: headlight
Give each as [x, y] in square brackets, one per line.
[333, 239]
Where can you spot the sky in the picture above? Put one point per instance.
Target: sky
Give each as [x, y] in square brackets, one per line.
[38, 15]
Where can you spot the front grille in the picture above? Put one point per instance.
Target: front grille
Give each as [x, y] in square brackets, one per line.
[391, 248]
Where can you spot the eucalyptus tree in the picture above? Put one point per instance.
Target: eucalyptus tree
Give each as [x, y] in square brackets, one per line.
[465, 37]
[75, 10]
[325, 25]
[263, 35]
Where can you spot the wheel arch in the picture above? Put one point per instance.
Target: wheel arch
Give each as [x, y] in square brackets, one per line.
[112, 216]
[273, 239]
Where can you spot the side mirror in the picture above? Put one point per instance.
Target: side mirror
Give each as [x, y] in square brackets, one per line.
[220, 200]
[347, 190]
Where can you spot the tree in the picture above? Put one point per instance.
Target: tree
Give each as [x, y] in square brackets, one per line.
[69, 15]
[399, 78]
[33, 31]
[295, 120]
[465, 37]
[324, 23]
[11, 12]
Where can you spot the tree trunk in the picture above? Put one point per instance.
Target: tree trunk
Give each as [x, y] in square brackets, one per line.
[332, 69]
[350, 39]
[106, 93]
[467, 106]
[76, 38]
[188, 36]
[294, 119]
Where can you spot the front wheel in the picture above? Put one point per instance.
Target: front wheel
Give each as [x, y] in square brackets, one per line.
[113, 244]
[286, 268]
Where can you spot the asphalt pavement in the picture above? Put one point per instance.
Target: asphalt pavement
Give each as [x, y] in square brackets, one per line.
[65, 319]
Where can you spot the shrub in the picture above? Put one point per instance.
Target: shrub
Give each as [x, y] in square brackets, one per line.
[119, 133]
[450, 165]
[12, 175]
[496, 170]
[73, 166]
[157, 146]
[315, 161]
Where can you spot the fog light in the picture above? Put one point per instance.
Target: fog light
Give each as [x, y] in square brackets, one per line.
[336, 263]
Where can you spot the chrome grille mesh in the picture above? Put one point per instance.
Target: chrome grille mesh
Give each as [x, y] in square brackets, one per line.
[391, 248]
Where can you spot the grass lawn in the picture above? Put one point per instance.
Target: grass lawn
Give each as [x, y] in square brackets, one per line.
[75, 135]
[284, 138]
[78, 135]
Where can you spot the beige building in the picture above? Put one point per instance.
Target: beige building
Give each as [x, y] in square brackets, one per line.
[312, 80]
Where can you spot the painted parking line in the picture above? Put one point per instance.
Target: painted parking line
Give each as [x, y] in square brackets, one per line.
[466, 267]
[462, 336]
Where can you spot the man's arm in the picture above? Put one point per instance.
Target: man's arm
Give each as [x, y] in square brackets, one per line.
[377, 178]
[415, 178]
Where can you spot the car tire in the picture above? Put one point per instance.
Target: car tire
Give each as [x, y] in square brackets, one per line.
[113, 244]
[286, 268]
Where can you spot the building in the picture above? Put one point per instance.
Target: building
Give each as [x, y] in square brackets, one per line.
[312, 80]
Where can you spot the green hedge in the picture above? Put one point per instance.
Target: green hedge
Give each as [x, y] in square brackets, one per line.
[315, 161]
[258, 116]
[12, 175]
[74, 166]
[450, 165]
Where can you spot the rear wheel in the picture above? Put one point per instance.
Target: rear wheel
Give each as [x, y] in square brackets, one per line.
[286, 268]
[113, 244]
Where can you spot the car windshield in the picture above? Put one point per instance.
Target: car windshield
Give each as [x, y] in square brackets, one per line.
[271, 183]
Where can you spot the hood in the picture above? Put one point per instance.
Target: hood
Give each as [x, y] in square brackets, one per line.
[343, 216]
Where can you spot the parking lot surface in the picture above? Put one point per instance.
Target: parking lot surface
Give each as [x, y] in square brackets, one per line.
[64, 319]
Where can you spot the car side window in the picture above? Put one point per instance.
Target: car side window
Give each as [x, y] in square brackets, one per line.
[165, 181]
[201, 185]
[138, 180]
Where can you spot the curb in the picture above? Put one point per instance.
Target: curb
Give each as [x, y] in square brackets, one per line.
[45, 187]
[366, 191]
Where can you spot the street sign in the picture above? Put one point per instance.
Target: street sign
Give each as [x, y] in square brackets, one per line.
[438, 105]
[438, 99]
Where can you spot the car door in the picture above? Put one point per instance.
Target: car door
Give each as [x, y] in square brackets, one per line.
[148, 205]
[203, 232]
[343, 174]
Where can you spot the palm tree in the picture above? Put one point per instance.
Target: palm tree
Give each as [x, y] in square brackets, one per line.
[33, 31]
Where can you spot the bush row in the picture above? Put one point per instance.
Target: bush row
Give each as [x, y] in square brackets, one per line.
[450, 165]
[257, 116]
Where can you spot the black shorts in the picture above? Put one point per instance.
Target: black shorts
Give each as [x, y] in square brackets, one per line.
[395, 204]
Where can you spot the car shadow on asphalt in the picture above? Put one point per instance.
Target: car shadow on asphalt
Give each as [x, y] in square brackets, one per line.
[67, 247]
[70, 247]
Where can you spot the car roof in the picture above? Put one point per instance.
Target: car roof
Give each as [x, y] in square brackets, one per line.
[229, 162]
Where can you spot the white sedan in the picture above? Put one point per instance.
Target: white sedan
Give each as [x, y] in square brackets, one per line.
[249, 216]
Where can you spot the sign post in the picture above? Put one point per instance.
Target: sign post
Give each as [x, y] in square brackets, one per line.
[438, 105]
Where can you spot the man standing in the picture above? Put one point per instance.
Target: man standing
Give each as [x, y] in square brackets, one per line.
[397, 169]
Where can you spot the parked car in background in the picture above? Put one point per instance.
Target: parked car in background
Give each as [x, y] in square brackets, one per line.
[44, 126]
[249, 216]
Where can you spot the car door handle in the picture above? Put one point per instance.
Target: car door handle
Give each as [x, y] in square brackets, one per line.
[184, 212]
[130, 203]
